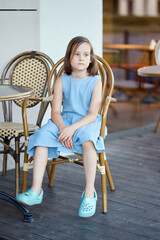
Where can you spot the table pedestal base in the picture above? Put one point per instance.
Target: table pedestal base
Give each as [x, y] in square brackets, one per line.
[26, 214]
[150, 98]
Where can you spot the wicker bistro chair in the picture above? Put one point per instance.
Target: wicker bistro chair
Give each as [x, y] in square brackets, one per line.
[26, 69]
[102, 165]
[157, 60]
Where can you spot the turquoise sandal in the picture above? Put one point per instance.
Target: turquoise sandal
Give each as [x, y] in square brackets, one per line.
[30, 197]
[88, 206]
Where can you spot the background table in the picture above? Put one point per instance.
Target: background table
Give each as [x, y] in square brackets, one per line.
[7, 93]
[124, 47]
[128, 63]
[149, 71]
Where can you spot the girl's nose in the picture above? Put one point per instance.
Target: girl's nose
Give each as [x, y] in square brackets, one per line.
[81, 57]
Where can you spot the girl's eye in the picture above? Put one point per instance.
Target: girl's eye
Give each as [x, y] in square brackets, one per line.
[86, 55]
[76, 54]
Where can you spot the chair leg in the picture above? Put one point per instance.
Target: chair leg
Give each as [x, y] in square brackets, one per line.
[104, 193]
[17, 166]
[25, 172]
[4, 163]
[48, 171]
[17, 180]
[104, 186]
[5, 157]
[51, 178]
[157, 125]
[24, 183]
[111, 184]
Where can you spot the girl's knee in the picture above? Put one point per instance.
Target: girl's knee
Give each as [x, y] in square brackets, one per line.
[39, 150]
[88, 145]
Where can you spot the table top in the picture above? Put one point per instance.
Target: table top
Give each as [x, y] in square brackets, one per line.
[10, 92]
[149, 71]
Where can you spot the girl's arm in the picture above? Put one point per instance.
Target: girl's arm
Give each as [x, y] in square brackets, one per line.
[68, 132]
[57, 104]
[56, 112]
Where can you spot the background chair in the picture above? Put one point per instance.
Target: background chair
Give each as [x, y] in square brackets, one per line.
[157, 60]
[128, 85]
[102, 165]
[26, 69]
[130, 88]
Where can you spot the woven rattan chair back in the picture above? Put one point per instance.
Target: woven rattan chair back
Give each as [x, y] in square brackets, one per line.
[28, 69]
[31, 72]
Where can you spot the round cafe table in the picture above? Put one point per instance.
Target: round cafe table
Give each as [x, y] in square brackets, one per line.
[149, 71]
[13, 92]
[7, 93]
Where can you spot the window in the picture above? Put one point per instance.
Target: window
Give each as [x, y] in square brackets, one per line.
[115, 6]
[130, 7]
[159, 7]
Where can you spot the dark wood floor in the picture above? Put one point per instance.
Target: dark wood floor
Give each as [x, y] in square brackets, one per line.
[133, 209]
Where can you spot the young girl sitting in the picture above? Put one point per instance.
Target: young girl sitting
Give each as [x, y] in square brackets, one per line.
[76, 128]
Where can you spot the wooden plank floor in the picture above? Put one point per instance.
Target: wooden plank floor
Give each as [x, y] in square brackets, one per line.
[133, 209]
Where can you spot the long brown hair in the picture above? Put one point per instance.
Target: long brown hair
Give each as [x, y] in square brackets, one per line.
[71, 48]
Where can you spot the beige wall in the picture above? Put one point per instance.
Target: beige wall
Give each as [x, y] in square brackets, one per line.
[62, 20]
[48, 29]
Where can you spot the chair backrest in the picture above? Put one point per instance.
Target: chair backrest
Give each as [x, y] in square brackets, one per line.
[106, 76]
[157, 53]
[30, 69]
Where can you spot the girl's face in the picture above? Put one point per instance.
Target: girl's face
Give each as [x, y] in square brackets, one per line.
[80, 60]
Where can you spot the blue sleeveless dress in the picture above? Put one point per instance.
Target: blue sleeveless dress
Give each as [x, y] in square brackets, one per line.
[77, 94]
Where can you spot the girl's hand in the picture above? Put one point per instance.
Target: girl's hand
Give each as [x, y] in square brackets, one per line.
[66, 135]
[68, 143]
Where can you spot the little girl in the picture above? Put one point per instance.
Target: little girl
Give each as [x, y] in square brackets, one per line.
[76, 128]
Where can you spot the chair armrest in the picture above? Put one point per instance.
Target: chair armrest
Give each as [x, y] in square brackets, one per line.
[106, 105]
[24, 114]
[104, 114]
[110, 99]
[47, 99]
[43, 99]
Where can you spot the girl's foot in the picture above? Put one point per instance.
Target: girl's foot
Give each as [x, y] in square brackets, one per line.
[88, 206]
[30, 197]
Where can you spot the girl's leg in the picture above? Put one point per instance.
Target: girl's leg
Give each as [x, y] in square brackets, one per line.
[40, 161]
[90, 163]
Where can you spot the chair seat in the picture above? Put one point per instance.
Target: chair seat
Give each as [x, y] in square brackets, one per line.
[11, 129]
